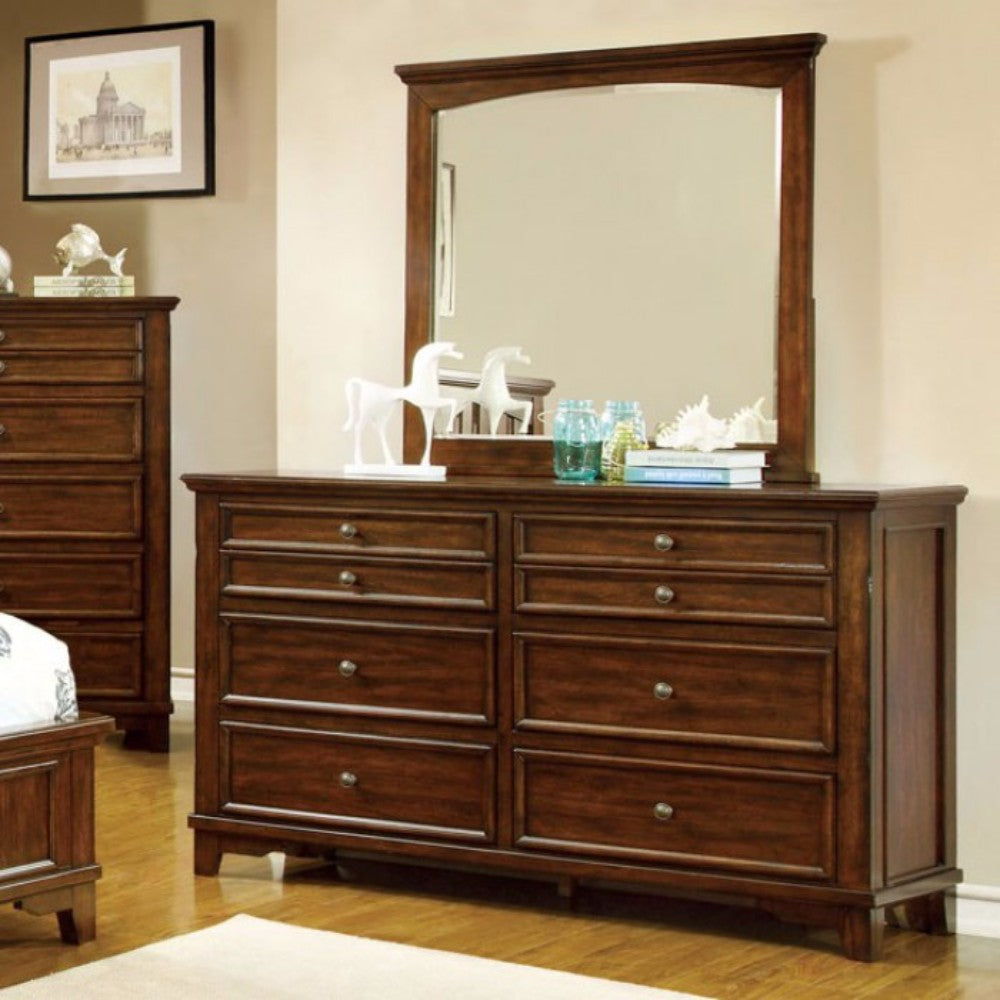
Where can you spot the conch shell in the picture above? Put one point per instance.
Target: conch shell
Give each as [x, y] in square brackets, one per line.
[695, 429]
[749, 425]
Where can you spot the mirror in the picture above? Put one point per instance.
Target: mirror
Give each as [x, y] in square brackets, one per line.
[693, 215]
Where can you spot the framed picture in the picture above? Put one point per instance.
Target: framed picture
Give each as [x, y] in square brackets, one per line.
[126, 113]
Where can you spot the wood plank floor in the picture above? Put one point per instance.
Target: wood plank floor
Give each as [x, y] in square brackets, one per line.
[148, 893]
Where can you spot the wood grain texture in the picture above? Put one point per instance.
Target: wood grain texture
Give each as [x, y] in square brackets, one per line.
[148, 893]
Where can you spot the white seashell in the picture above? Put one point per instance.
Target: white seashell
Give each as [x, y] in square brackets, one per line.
[6, 267]
[695, 429]
[749, 425]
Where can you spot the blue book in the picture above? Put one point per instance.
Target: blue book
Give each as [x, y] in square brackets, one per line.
[691, 475]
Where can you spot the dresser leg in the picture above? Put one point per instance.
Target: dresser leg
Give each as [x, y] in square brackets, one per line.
[75, 909]
[207, 853]
[566, 888]
[152, 734]
[861, 933]
[933, 914]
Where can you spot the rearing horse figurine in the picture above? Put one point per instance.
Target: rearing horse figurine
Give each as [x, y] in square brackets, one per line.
[372, 402]
[492, 393]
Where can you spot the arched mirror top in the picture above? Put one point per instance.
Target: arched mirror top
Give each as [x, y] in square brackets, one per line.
[783, 63]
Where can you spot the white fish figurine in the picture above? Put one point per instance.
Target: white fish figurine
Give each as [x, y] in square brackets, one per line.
[82, 246]
[6, 285]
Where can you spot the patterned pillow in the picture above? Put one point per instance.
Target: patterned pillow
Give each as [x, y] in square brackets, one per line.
[36, 679]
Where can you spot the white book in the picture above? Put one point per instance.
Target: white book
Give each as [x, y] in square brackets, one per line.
[93, 292]
[730, 458]
[84, 281]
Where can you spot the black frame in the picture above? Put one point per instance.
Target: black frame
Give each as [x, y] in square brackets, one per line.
[195, 175]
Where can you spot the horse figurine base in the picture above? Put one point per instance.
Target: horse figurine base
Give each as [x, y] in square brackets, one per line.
[387, 470]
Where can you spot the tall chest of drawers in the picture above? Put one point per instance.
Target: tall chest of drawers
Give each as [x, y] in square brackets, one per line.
[84, 494]
[742, 693]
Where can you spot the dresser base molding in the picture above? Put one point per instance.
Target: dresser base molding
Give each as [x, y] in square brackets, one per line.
[744, 696]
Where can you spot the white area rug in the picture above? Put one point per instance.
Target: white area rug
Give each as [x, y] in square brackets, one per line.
[246, 957]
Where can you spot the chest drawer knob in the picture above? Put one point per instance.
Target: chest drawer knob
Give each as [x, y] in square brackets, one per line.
[3, 430]
[347, 668]
[663, 542]
[348, 779]
[662, 690]
[663, 594]
[347, 578]
[3, 336]
[3, 367]
[348, 530]
[663, 811]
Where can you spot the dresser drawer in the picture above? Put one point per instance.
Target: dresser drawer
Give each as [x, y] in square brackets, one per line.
[70, 586]
[359, 580]
[717, 543]
[726, 693]
[778, 823]
[107, 663]
[358, 529]
[434, 789]
[78, 334]
[362, 668]
[670, 594]
[69, 367]
[70, 430]
[62, 507]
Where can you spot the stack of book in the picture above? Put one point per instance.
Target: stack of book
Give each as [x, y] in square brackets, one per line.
[81, 285]
[695, 468]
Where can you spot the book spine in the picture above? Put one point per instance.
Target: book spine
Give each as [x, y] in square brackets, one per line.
[662, 474]
[78, 280]
[84, 293]
[695, 459]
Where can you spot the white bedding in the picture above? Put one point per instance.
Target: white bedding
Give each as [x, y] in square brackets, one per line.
[36, 679]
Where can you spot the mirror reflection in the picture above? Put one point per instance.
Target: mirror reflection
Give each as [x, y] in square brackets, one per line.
[625, 237]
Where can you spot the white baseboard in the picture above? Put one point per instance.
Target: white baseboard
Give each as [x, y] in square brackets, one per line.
[977, 910]
[182, 684]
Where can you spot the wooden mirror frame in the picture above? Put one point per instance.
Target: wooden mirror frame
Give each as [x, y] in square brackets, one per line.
[783, 61]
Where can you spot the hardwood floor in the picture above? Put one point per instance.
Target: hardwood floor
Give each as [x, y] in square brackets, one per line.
[148, 892]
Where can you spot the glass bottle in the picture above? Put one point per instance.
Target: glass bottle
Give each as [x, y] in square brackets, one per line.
[576, 440]
[622, 429]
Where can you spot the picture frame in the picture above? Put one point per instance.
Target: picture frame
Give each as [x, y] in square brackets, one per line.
[121, 113]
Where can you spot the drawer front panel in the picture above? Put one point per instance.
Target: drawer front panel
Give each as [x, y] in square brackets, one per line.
[364, 668]
[350, 529]
[71, 586]
[780, 697]
[61, 430]
[33, 840]
[106, 664]
[773, 546]
[104, 335]
[665, 594]
[70, 508]
[357, 580]
[435, 789]
[772, 822]
[69, 368]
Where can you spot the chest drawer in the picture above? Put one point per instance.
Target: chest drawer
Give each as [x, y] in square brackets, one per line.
[673, 594]
[359, 530]
[69, 367]
[70, 430]
[103, 334]
[772, 696]
[363, 668]
[753, 820]
[70, 508]
[717, 543]
[71, 586]
[434, 789]
[359, 580]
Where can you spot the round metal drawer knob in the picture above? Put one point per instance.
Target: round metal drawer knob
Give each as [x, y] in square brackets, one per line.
[662, 690]
[3, 430]
[348, 530]
[348, 779]
[663, 811]
[347, 578]
[3, 367]
[663, 542]
[3, 336]
[347, 668]
[663, 595]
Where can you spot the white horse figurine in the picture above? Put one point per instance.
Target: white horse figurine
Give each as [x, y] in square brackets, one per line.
[372, 403]
[492, 394]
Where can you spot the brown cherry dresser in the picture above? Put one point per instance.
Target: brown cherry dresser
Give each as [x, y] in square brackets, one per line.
[84, 494]
[738, 693]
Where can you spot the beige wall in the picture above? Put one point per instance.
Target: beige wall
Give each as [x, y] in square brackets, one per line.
[215, 253]
[908, 248]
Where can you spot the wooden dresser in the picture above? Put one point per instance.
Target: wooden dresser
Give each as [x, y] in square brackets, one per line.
[84, 494]
[740, 693]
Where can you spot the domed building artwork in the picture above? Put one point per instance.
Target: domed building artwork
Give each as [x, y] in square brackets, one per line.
[113, 124]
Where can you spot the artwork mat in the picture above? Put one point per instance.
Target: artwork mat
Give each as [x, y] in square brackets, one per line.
[189, 170]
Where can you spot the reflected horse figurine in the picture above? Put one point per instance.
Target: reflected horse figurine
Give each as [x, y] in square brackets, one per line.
[372, 403]
[492, 394]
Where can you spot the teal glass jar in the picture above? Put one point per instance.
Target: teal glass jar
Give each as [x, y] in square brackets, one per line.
[623, 429]
[576, 440]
